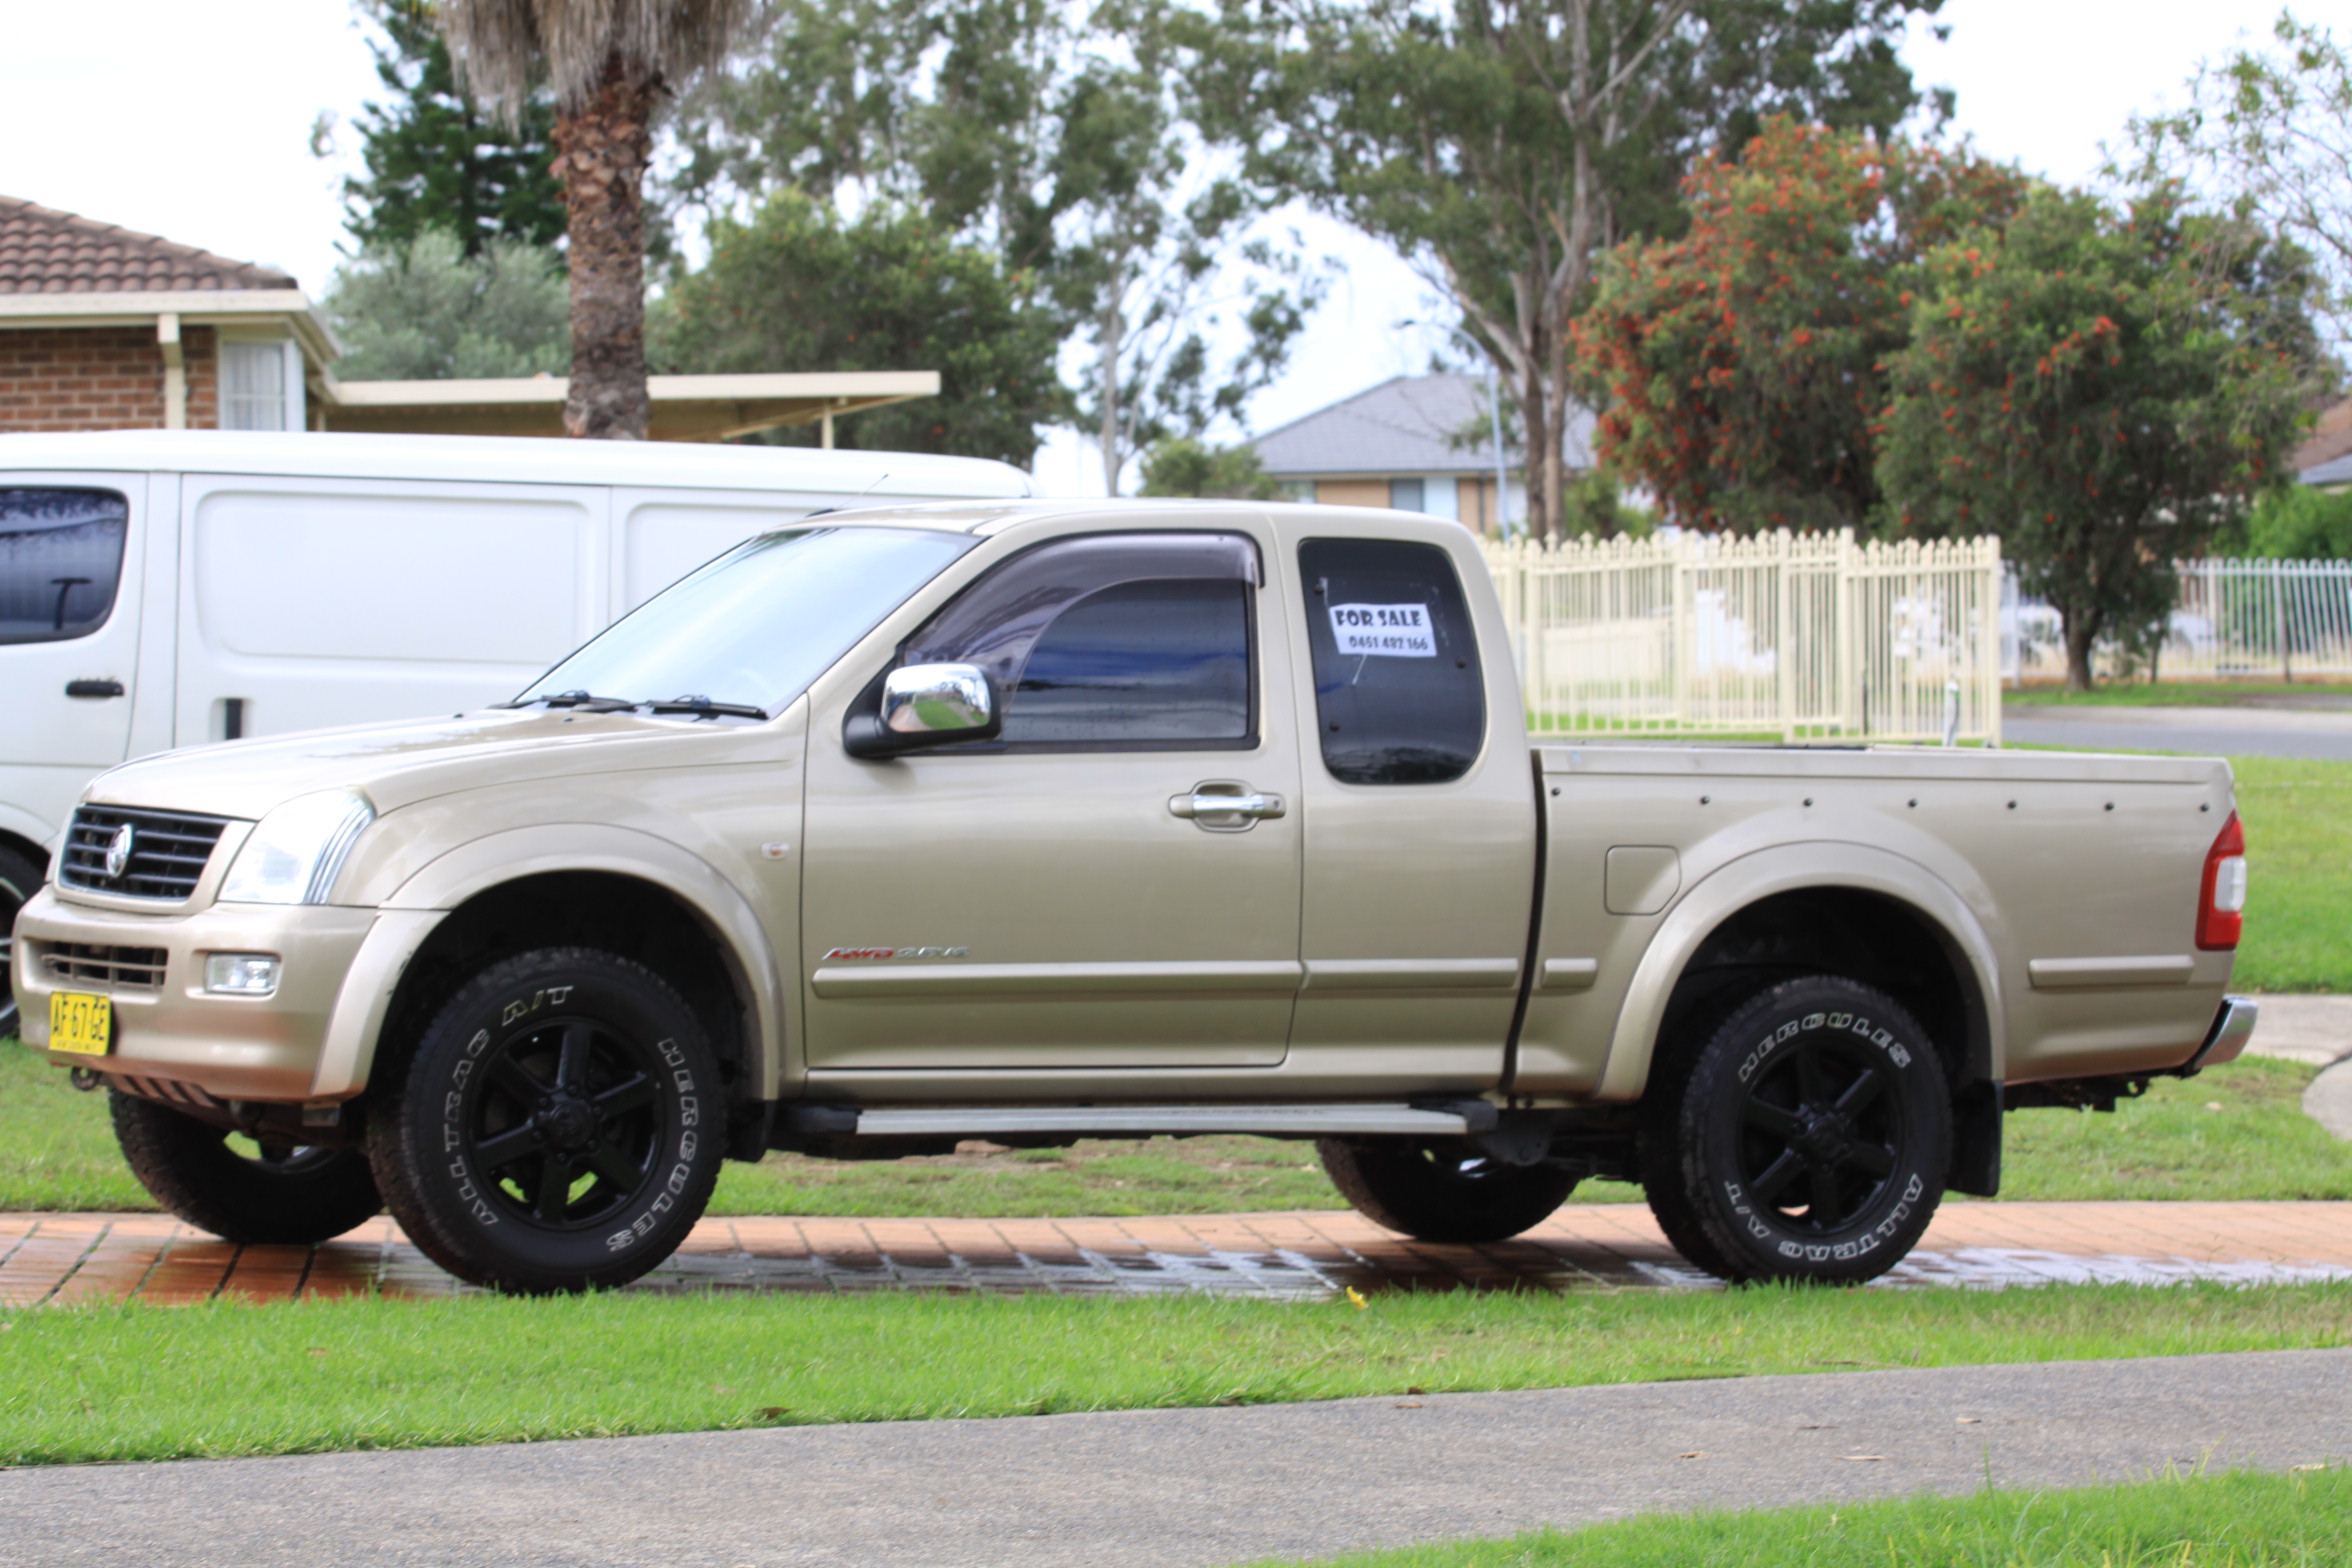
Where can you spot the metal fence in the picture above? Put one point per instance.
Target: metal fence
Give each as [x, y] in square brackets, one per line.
[2281, 620]
[1803, 636]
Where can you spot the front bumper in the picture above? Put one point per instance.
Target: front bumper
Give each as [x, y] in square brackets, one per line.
[230, 1047]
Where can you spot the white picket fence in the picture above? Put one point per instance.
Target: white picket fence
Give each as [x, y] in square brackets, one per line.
[2236, 620]
[1800, 636]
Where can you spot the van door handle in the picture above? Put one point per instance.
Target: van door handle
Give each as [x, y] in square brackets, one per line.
[93, 688]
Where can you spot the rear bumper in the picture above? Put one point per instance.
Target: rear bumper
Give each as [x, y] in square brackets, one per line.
[2226, 1041]
[231, 1047]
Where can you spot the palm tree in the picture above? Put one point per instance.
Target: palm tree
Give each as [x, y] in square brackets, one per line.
[607, 62]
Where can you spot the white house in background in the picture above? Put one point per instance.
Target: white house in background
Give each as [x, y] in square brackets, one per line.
[1416, 443]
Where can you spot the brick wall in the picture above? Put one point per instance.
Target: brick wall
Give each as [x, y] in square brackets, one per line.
[101, 378]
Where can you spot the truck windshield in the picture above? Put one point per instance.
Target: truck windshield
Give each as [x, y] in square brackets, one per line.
[755, 626]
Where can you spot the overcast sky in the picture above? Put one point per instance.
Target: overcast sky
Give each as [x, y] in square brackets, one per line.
[194, 122]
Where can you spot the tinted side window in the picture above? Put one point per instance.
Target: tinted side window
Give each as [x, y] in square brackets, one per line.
[1151, 661]
[1398, 690]
[60, 557]
[1112, 640]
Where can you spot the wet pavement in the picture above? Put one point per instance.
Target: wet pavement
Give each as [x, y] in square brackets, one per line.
[65, 1259]
[2212, 732]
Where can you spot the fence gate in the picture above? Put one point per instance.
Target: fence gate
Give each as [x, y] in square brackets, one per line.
[1799, 636]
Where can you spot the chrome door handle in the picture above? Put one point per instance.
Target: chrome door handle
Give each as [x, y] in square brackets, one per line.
[1196, 805]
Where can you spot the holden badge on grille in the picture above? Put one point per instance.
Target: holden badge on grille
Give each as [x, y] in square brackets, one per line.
[118, 851]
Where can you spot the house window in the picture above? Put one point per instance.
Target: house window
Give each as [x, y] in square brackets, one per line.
[1406, 495]
[260, 386]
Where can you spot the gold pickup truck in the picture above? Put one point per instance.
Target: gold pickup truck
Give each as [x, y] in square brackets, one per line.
[1036, 822]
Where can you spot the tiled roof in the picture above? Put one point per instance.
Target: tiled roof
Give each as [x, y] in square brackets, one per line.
[2330, 439]
[44, 251]
[2336, 471]
[1407, 425]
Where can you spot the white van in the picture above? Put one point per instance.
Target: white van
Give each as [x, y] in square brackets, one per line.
[167, 588]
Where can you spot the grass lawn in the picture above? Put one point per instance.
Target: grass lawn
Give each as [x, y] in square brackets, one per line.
[2298, 817]
[57, 1152]
[2244, 1520]
[2169, 694]
[162, 1382]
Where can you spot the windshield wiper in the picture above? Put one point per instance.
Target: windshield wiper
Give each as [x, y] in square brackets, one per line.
[580, 700]
[704, 708]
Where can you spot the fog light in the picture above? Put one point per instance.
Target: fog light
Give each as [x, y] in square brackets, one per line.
[241, 974]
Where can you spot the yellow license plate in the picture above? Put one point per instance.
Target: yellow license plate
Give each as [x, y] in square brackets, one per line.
[81, 1024]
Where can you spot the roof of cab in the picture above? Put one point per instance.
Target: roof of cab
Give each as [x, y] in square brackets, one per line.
[514, 460]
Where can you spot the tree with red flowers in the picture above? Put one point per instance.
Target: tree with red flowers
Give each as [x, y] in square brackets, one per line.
[1745, 363]
[2101, 388]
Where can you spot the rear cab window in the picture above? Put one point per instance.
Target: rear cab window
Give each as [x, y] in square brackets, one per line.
[1399, 695]
[61, 556]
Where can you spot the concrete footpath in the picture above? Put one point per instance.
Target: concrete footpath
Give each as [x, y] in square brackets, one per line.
[1196, 1487]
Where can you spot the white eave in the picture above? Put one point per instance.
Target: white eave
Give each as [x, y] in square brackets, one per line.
[194, 307]
[684, 407]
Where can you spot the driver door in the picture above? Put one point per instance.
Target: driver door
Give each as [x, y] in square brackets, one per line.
[1055, 899]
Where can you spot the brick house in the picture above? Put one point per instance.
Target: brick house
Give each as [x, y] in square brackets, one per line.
[104, 328]
[1411, 443]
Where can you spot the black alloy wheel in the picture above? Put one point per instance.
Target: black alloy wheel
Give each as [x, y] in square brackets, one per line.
[286, 1195]
[555, 1127]
[1445, 1190]
[20, 879]
[1808, 1140]
[563, 1122]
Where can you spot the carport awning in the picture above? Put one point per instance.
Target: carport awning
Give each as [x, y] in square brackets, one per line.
[685, 408]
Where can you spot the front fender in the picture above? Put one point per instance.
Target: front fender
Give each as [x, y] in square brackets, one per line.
[1788, 868]
[419, 905]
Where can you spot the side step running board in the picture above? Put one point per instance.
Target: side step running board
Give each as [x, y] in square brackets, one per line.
[1452, 1118]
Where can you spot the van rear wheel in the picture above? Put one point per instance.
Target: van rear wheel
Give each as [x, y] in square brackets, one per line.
[1442, 1189]
[20, 879]
[558, 1126]
[280, 1195]
[1805, 1138]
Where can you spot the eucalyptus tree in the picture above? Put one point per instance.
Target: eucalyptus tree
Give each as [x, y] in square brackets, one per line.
[1503, 146]
[1059, 140]
[607, 64]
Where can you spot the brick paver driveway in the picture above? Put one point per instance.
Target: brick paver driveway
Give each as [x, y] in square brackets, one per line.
[103, 1257]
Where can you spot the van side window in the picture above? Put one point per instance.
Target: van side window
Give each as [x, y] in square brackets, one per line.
[1112, 642]
[1399, 696]
[61, 555]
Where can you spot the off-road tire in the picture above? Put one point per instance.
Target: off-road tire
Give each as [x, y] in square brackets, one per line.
[20, 879]
[1442, 1189]
[1806, 1140]
[287, 1197]
[557, 1126]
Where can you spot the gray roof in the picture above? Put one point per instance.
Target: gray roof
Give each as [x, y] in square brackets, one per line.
[1402, 427]
[2336, 471]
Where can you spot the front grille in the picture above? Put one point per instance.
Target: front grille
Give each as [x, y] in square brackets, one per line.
[94, 963]
[168, 851]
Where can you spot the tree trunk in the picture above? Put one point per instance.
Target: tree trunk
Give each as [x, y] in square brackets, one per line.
[1535, 419]
[2082, 634]
[601, 152]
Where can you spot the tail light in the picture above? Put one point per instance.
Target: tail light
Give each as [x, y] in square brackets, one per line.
[2221, 905]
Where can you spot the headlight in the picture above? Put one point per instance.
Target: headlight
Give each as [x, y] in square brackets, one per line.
[293, 855]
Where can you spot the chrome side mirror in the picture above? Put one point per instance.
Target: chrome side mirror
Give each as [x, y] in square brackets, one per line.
[925, 705]
[937, 699]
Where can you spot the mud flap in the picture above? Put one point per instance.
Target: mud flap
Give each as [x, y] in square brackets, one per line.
[1976, 1141]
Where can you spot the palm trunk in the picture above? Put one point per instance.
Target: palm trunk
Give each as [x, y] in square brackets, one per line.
[601, 153]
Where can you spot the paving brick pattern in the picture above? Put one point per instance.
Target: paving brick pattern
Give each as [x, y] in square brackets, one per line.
[66, 1259]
